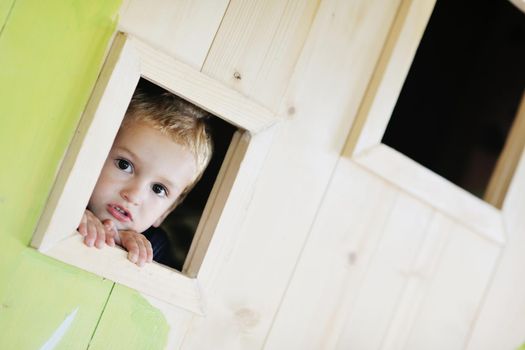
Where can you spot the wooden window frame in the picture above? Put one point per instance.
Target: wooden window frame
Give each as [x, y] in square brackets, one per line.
[128, 60]
[364, 142]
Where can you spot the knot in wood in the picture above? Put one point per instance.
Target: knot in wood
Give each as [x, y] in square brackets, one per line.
[247, 318]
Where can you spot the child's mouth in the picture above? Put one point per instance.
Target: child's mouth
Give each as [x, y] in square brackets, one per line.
[119, 213]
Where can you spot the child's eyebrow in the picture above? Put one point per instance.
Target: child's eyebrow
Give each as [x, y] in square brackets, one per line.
[126, 150]
[168, 183]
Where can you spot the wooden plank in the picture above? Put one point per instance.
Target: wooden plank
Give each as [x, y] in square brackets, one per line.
[90, 146]
[216, 202]
[247, 273]
[502, 320]
[353, 268]
[232, 203]
[202, 90]
[41, 294]
[183, 29]
[412, 303]
[336, 258]
[519, 4]
[152, 279]
[431, 188]
[257, 46]
[418, 278]
[385, 282]
[508, 160]
[389, 76]
[455, 290]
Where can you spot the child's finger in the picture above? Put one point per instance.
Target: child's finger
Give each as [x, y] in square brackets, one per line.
[91, 234]
[82, 227]
[149, 251]
[133, 249]
[100, 238]
[110, 232]
[143, 255]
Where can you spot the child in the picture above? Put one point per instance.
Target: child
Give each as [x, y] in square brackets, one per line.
[159, 153]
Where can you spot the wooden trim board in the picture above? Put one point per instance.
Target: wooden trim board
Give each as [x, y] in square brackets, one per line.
[364, 142]
[422, 183]
[88, 150]
[508, 160]
[127, 61]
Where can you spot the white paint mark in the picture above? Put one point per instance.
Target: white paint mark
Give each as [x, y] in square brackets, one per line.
[52, 342]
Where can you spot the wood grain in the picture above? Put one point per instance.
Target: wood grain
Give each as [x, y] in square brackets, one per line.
[183, 29]
[257, 46]
[252, 267]
[434, 190]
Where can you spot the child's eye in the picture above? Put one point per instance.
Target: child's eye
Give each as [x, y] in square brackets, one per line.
[124, 165]
[160, 190]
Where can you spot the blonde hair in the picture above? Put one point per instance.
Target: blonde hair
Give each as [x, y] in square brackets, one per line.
[178, 118]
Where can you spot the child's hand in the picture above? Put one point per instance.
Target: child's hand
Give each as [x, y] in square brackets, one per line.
[138, 247]
[96, 232]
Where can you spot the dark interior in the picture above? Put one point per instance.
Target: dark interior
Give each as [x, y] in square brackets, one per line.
[463, 90]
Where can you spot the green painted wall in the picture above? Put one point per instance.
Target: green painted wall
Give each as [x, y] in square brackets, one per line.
[50, 55]
[5, 8]
[140, 326]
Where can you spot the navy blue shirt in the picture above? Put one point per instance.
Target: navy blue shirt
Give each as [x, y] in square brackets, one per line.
[160, 244]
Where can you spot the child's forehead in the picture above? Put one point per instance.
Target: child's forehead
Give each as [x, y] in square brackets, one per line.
[148, 130]
[143, 138]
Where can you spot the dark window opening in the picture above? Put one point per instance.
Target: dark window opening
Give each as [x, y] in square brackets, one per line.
[180, 226]
[463, 90]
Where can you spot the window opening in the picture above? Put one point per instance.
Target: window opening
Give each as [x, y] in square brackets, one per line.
[181, 224]
[241, 129]
[462, 93]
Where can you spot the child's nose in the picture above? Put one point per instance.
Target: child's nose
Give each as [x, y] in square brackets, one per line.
[132, 194]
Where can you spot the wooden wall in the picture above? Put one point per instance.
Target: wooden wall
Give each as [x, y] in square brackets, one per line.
[328, 255]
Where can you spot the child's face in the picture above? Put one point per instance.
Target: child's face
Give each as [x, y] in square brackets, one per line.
[143, 175]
